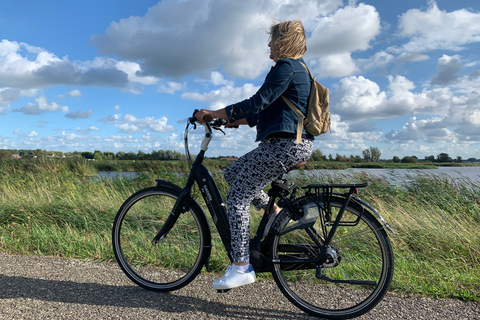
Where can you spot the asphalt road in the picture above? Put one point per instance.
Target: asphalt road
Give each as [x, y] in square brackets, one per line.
[55, 288]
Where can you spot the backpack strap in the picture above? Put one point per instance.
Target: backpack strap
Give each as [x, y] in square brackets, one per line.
[299, 115]
[296, 110]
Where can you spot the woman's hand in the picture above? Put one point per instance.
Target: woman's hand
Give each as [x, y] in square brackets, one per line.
[217, 114]
[202, 113]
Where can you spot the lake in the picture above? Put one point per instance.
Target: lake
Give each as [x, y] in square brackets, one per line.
[392, 175]
[403, 175]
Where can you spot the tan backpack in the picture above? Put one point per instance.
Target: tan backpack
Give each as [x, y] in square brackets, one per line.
[317, 120]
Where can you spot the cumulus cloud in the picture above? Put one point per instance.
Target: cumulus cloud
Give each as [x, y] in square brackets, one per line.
[79, 114]
[32, 134]
[72, 94]
[336, 36]
[435, 29]
[448, 69]
[179, 38]
[93, 128]
[17, 70]
[130, 123]
[171, 87]
[223, 96]
[358, 98]
[42, 104]
[346, 30]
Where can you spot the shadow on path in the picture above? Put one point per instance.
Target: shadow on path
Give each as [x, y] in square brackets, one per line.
[14, 287]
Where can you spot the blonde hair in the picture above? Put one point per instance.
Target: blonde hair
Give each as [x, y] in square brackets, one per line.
[288, 39]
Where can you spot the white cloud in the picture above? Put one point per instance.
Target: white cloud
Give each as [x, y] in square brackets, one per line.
[436, 29]
[129, 123]
[223, 96]
[133, 71]
[42, 104]
[336, 65]
[448, 69]
[19, 70]
[33, 134]
[79, 114]
[346, 30]
[171, 87]
[358, 98]
[412, 57]
[72, 94]
[336, 36]
[179, 38]
[93, 128]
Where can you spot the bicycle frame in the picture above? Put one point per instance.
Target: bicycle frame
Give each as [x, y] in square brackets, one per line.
[280, 189]
[209, 190]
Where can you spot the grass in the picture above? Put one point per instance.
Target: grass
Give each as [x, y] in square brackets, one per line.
[53, 207]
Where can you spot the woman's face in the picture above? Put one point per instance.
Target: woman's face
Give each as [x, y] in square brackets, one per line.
[272, 50]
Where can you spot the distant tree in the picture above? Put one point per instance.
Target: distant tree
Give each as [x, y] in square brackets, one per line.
[444, 157]
[340, 158]
[396, 159]
[371, 154]
[430, 158]
[130, 156]
[120, 155]
[98, 155]
[39, 153]
[330, 157]
[108, 155]
[87, 155]
[411, 159]
[458, 160]
[318, 155]
[141, 155]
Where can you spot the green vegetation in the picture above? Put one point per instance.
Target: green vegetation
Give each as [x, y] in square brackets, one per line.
[55, 207]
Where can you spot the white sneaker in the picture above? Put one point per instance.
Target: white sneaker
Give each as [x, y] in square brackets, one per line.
[233, 278]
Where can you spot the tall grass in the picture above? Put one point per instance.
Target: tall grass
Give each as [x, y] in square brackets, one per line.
[54, 208]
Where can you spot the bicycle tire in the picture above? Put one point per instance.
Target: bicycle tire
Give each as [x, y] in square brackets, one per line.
[178, 258]
[365, 255]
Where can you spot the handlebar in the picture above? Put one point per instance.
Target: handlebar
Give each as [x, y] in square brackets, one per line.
[214, 123]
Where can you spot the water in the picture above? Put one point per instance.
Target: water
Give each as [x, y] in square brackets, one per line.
[114, 174]
[400, 176]
[393, 176]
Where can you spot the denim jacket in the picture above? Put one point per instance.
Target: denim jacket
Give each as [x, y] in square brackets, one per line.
[266, 109]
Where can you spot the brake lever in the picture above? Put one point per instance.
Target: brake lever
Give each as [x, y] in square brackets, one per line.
[216, 128]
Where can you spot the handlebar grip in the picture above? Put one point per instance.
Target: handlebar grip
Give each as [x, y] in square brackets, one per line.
[208, 118]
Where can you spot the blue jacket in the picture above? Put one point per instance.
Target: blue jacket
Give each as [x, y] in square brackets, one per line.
[266, 109]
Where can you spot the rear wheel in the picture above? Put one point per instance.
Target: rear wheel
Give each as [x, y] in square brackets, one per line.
[174, 261]
[357, 274]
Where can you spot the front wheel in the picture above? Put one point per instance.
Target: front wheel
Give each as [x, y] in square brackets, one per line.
[176, 259]
[354, 273]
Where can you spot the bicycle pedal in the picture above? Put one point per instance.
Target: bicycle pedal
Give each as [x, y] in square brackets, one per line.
[223, 290]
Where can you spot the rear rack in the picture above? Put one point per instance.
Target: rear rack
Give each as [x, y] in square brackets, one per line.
[325, 192]
[331, 186]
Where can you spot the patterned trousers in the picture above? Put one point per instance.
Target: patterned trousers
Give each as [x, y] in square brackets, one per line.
[249, 175]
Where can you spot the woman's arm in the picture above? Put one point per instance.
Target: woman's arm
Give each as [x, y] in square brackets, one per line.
[220, 113]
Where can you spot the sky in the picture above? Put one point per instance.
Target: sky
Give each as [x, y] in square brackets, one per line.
[118, 75]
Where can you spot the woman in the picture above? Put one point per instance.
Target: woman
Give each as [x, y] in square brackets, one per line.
[277, 152]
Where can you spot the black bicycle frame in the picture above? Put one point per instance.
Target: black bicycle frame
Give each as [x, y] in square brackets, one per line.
[202, 176]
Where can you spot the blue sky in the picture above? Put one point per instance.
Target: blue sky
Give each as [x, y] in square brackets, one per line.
[123, 76]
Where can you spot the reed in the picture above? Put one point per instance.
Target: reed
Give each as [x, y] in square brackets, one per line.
[56, 208]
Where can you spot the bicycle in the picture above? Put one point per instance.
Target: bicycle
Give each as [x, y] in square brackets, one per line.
[328, 252]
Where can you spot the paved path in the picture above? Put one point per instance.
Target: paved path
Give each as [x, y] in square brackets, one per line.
[54, 288]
